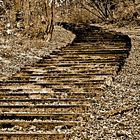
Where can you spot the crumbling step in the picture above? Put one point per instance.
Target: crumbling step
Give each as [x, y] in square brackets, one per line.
[51, 124]
[96, 39]
[44, 124]
[53, 86]
[79, 71]
[81, 58]
[44, 76]
[55, 108]
[100, 45]
[44, 116]
[34, 135]
[55, 69]
[94, 49]
[92, 52]
[75, 69]
[51, 129]
[23, 78]
[49, 101]
[44, 95]
[107, 61]
[41, 76]
[99, 58]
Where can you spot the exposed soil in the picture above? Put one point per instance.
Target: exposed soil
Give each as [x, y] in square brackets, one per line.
[117, 115]
[17, 51]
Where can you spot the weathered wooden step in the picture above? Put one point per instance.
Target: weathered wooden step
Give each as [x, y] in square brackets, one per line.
[23, 82]
[53, 81]
[95, 49]
[76, 63]
[33, 135]
[82, 57]
[73, 56]
[93, 63]
[78, 70]
[99, 38]
[36, 125]
[44, 95]
[92, 52]
[60, 88]
[16, 82]
[18, 87]
[115, 61]
[42, 106]
[95, 44]
[96, 39]
[53, 77]
[44, 123]
[54, 108]
[48, 101]
[72, 81]
[43, 116]
[55, 69]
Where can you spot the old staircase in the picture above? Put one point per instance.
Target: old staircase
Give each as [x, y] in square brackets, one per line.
[51, 98]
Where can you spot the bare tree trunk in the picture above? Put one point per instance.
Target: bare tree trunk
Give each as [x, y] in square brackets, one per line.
[51, 20]
[37, 16]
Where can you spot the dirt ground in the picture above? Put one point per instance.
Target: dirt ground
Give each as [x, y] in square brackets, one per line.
[17, 51]
[117, 114]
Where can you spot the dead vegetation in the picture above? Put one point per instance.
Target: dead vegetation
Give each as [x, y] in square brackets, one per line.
[16, 52]
[26, 44]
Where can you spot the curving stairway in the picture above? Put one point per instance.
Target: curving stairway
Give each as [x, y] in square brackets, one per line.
[51, 98]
